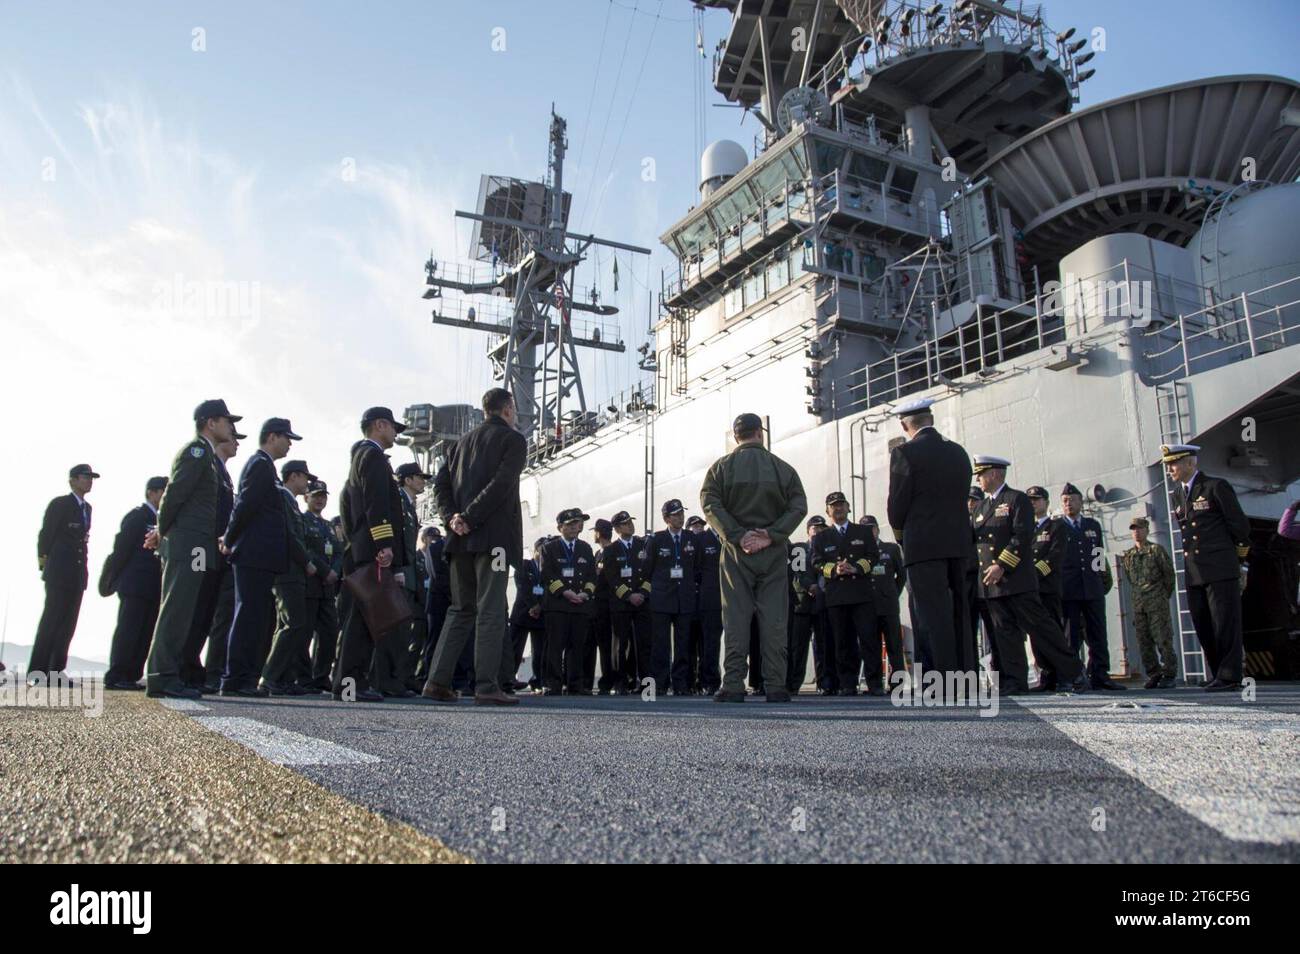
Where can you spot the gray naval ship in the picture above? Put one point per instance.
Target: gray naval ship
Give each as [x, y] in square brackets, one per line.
[926, 214]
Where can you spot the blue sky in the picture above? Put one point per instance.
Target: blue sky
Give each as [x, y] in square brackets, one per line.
[129, 162]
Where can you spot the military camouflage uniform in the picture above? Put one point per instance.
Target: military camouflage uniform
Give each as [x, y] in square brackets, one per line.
[1150, 575]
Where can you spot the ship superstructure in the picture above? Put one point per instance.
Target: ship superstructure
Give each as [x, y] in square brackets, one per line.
[926, 214]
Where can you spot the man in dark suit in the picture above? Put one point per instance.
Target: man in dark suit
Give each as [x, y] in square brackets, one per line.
[708, 606]
[843, 555]
[1008, 582]
[1085, 581]
[929, 480]
[1216, 539]
[61, 556]
[526, 614]
[569, 587]
[478, 497]
[135, 574]
[438, 601]
[257, 539]
[670, 567]
[629, 606]
[187, 544]
[371, 512]
[888, 577]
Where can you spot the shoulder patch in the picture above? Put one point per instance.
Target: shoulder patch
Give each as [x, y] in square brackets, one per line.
[196, 450]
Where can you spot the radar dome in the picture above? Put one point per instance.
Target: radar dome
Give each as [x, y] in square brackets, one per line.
[721, 160]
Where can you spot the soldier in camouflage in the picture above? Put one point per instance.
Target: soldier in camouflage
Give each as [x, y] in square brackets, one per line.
[1150, 575]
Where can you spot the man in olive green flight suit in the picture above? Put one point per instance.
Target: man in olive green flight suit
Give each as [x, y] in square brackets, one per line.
[186, 539]
[286, 671]
[754, 500]
[1150, 575]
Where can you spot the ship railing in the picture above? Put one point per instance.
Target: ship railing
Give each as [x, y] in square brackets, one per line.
[1021, 25]
[1235, 329]
[627, 405]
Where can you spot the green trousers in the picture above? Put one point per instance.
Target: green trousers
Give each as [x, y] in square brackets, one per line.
[182, 579]
[292, 636]
[754, 584]
[1155, 634]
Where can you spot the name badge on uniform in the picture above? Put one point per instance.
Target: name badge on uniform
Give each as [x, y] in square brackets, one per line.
[675, 573]
[567, 572]
[626, 573]
[537, 590]
[329, 548]
[877, 570]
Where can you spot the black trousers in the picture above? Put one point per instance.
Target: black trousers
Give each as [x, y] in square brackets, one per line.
[1052, 603]
[828, 676]
[600, 645]
[223, 614]
[1216, 615]
[756, 680]
[54, 631]
[136, 616]
[435, 615]
[1086, 621]
[670, 651]
[854, 625]
[1013, 618]
[941, 613]
[566, 637]
[254, 605]
[889, 628]
[802, 628]
[632, 642]
[709, 649]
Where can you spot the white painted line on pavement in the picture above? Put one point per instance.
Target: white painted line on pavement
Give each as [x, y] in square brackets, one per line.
[185, 705]
[283, 746]
[1235, 768]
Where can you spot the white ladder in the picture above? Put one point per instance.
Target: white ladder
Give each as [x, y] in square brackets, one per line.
[1171, 410]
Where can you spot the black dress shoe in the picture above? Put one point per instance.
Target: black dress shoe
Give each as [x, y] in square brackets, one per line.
[1153, 682]
[277, 689]
[847, 692]
[1110, 685]
[123, 685]
[247, 692]
[363, 695]
[1220, 685]
[181, 692]
[778, 695]
[1168, 682]
[1043, 687]
[726, 695]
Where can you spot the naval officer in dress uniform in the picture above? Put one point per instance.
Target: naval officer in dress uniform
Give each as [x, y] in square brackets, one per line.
[569, 585]
[1085, 581]
[929, 480]
[629, 606]
[322, 614]
[708, 607]
[1008, 581]
[670, 568]
[843, 555]
[1216, 539]
[187, 544]
[61, 555]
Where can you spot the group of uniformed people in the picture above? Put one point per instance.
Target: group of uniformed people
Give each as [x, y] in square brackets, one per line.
[244, 571]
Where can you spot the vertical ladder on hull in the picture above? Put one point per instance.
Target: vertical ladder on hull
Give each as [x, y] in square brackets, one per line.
[1171, 411]
[649, 520]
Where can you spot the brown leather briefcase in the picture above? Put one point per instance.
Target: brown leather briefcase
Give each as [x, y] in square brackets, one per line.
[384, 603]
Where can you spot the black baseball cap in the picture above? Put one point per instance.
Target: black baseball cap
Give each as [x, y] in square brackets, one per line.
[539, 542]
[317, 487]
[976, 493]
[410, 469]
[621, 517]
[602, 525]
[672, 506]
[573, 513]
[869, 521]
[82, 470]
[215, 407]
[1037, 493]
[155, 483]
[279, 425]
[746, 422]
[836, 496]
[694, 519]
[816, 520]
[295, 467]
[382, 414]
[235, 435]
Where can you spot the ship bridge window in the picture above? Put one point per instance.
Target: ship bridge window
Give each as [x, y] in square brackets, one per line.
[868, 168]
[903, 183]
[731, 212]
[695, 237]
[778, 273]
[827, 157]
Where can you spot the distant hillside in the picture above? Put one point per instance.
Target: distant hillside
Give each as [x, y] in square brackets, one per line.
[15, 656]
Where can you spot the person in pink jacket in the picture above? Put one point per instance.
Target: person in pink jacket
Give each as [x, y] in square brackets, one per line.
[1289, 525]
